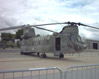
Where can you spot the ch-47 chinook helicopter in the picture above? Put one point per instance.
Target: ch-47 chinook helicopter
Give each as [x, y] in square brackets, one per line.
[66, 41]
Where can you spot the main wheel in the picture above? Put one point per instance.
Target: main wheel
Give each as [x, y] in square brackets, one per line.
[61, 55]
[43, 55]
[21, 53]
[38, 54]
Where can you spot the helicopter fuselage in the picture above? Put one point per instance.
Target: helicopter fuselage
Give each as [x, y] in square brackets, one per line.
[67, 41]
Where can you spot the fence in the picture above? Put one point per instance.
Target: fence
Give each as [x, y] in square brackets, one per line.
[33, 73]
[72, 72]
[82, 72]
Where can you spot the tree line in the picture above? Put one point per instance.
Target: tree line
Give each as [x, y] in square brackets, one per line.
[11, 40]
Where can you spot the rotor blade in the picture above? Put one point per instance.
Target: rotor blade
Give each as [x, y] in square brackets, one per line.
[51, 24]
[46, 25]
[16, 27]
[11, 28]
[43, 29]
[89, 26]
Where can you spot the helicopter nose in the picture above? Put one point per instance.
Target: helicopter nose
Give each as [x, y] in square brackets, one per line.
[80, 47]
[84, 46]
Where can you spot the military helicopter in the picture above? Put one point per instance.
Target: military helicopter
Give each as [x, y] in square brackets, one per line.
[66, 41]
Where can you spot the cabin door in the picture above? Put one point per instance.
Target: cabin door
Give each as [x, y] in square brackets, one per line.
[58, 44]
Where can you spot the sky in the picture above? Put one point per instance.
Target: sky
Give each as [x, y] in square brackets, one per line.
[19, 12]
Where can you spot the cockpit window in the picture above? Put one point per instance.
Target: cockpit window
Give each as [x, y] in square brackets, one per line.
[79, 38]
[75, 38]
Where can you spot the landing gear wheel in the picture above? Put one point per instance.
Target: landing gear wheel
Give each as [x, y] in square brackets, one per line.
[43, 55]
[61, 56]
[21, 53]
[38, 54]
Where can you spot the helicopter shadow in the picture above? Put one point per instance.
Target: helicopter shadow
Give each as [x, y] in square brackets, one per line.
[63, 59]
[71, 59]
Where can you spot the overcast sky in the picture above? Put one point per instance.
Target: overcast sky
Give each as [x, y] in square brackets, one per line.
[18, 12]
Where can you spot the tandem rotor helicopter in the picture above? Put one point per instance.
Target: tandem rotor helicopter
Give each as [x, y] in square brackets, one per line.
[66, 41]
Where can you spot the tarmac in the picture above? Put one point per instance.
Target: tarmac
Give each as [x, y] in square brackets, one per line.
[10, 59]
